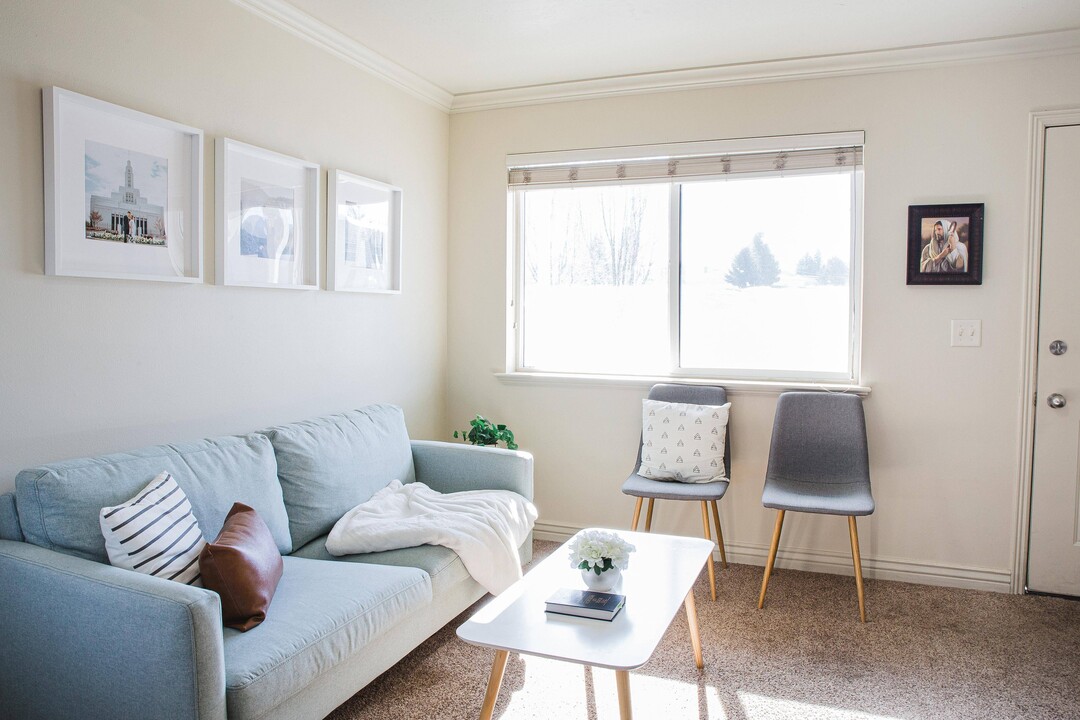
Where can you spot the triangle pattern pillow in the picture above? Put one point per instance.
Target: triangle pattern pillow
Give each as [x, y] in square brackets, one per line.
[683, 442]
[155, 533]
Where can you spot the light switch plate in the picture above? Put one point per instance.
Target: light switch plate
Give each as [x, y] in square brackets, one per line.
[966, 333]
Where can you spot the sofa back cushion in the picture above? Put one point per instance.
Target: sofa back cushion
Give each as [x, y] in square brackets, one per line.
[58, 504]
[329, 465]
[9, 518]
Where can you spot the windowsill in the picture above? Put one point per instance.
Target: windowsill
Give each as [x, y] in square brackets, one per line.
[734, 387]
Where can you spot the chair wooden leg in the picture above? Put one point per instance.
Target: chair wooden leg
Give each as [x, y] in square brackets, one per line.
[648, 516]
[637, 514]
[858, 566]
[708, 536]
[772, 557]
[719, 533]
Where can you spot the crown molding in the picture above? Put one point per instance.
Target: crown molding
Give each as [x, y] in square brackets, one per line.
[318, 33]
[1057, 42]
[288, 17]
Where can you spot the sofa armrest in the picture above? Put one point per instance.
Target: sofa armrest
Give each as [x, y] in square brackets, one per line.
[453, 467]
[87, 640]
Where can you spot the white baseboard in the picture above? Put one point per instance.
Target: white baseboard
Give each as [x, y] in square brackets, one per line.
[838, 563]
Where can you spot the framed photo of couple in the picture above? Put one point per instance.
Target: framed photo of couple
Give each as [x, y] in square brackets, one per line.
[123, 192]
[945, 244]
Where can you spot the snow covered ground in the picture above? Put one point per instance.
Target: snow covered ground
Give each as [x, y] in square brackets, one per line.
[794, 325]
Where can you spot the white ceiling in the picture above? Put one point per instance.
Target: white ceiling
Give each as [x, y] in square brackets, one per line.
[472, 46]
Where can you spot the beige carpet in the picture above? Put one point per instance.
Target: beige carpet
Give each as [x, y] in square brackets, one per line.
[926, 652]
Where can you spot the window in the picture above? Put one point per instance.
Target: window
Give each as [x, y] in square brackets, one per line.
[735, 259]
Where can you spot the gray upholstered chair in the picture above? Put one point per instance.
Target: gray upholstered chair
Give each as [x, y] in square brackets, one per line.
[818, 463]
[705, 493]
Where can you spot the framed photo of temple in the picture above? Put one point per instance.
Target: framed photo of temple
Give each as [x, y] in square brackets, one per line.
[267, 218]
[123, 191]
[945, 244]
[363, 240]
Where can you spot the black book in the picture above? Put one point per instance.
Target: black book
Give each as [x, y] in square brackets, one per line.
[585, 603]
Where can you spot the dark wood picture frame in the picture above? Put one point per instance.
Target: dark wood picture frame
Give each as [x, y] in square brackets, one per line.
[934, 255]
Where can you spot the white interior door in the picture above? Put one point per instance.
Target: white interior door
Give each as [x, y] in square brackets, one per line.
[1054, 546]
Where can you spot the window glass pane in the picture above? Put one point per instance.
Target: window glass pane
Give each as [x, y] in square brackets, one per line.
[765, 284]
[595, 290]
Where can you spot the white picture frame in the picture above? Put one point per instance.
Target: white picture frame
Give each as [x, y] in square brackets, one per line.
[267, 215]
[123, 191]
[363, 234]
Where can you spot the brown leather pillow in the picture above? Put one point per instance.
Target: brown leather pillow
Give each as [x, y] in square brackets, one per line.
[243, 566]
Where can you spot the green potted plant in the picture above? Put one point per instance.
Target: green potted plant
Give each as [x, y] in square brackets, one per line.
[484, 432]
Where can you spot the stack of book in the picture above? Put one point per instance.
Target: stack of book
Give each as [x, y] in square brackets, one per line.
[585, 603]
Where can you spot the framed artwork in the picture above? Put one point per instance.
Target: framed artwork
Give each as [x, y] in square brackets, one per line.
[267, 218]
[123, 191]
[363, 241]
[945, 244]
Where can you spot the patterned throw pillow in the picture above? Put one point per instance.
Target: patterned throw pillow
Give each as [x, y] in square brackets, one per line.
[683, 442]
[155, 533]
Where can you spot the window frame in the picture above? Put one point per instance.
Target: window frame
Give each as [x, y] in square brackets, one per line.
[748, 378]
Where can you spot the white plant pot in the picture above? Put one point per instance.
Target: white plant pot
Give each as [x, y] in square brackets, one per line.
[602, 582]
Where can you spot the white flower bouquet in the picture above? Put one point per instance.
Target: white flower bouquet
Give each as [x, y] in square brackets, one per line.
[599, 551]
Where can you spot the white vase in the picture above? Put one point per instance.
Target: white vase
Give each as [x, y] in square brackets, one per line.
[602, 582]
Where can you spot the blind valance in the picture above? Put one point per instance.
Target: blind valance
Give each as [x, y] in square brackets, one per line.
[692, 162]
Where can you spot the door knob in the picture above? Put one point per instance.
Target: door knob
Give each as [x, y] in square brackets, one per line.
[1056, 401]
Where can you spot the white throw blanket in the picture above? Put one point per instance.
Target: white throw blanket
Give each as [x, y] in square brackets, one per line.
[484, 527]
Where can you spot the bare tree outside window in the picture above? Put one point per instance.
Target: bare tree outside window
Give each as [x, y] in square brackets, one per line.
[615, 248]
[595, 275]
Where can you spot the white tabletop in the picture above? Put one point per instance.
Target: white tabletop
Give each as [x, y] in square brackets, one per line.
[661, 572]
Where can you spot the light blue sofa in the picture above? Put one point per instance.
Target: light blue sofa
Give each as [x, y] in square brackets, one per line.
[83, 639]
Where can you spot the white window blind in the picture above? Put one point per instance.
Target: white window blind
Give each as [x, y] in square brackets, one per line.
[686, 161]
[728, 258]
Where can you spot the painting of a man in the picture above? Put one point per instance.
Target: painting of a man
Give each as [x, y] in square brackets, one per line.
[945, 244]
[944, 252]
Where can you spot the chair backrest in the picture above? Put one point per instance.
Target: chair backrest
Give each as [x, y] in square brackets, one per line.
[692, 395]
[819, 437]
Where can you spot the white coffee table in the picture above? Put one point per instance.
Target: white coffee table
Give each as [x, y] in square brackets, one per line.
[660, 578]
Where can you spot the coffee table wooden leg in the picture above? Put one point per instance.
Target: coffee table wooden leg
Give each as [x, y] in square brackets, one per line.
[691, 620]
[622, 682]
[494, 683]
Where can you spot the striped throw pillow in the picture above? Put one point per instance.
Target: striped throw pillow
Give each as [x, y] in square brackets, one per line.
[155, 533]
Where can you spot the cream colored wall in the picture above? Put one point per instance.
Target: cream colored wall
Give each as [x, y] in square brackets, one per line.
[943, 422]
[90, 366]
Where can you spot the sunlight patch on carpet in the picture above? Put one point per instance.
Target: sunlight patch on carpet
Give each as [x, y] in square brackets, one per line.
[762, 707]
[554, 689]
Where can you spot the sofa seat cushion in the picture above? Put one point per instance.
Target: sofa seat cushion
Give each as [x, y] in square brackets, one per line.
[442, 564]
[329, 465]
[58, 504]
[322, 613]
